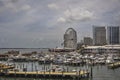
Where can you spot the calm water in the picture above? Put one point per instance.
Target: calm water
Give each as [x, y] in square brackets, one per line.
[103, 73]
[24, 50]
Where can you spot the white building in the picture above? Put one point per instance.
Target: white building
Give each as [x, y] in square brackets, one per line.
[70, 38]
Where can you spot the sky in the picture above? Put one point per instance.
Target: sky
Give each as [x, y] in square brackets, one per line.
[42, 23]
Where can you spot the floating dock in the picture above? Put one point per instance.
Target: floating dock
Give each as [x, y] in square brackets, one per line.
[66, 75]
[114, 65]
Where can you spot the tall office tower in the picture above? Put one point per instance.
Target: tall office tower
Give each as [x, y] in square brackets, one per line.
[70, 39]
[113, 34]
[88, 41]
[99, 35]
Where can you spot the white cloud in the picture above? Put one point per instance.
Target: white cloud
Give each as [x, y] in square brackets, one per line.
[52, 6]
[61, 19]
[76, 14]
[14, 6]
[25, 7]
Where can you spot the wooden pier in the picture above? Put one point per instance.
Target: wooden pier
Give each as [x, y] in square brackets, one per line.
[39, 74]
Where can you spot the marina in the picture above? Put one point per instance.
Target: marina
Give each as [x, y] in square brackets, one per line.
[61, 58]
[70, 65]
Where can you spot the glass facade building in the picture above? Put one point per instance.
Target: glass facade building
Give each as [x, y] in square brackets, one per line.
[113, 34]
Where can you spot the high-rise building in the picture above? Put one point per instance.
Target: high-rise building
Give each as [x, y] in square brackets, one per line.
[88, 41]
[113, 35]
[70, 39]
[99, 35]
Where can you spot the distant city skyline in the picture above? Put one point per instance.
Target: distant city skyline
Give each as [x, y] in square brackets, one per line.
[42, 23]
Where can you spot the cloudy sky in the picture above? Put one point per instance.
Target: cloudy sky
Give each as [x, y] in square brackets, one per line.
[42, 23]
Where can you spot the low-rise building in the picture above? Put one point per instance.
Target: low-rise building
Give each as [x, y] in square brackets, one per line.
[88, 41]
[107, 49]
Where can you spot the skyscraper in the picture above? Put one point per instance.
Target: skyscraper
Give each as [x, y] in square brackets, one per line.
[70, 38]
[99, 35]
[113, 34]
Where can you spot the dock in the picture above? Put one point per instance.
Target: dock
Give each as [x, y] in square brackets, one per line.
[42, 74]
